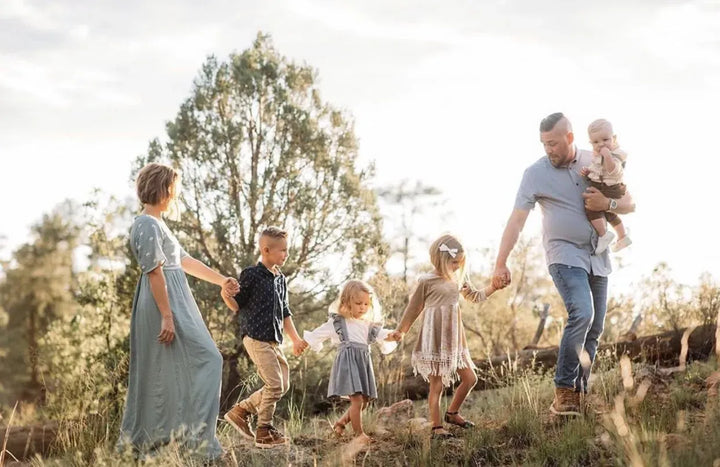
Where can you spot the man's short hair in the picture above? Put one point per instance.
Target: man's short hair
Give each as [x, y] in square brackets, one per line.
[549, 122]
[274, 232]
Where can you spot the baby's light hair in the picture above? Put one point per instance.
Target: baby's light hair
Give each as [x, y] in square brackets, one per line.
[156, 182]
[441, 258]
[600, 124]
[349, 291]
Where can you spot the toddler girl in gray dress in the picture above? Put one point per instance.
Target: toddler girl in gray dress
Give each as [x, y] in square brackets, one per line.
[353, 325]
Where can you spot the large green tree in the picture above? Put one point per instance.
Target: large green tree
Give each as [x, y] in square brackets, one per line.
[257, 146]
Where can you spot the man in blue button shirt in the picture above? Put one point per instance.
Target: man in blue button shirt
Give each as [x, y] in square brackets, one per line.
[264, 313]
[569, 241]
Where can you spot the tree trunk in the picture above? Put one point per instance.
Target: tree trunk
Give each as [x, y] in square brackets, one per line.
[541, 327]
[32, 348]
[659, 348]
[635, 324]
[24, 442]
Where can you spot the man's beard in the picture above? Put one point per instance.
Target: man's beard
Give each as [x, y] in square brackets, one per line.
[557, 161]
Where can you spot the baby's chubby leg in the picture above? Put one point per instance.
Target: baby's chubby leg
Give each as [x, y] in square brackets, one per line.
[599, 225]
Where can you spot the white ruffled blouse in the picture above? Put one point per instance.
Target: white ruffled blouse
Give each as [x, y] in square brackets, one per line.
[358, 331]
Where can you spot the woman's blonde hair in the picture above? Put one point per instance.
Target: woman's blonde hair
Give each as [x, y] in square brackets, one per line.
[350, 290]
[157, 182]
[442, 252]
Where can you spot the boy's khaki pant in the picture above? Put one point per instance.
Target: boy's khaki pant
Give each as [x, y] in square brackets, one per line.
[274, 372]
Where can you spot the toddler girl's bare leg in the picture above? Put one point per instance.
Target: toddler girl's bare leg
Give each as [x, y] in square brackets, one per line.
[355, 413]
[436, 390]
[345, 419]
[468, 379]
[366, 402]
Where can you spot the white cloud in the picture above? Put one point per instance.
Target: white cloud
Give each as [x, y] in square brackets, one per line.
[26, 13]
[684, 35]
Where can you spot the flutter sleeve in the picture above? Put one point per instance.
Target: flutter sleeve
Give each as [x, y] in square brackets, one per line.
[147, 240]
[316, 337]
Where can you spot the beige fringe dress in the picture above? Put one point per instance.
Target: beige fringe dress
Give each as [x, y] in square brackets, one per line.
[441, 347]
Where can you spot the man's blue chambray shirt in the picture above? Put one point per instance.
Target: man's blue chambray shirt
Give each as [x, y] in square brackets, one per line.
[568, 236]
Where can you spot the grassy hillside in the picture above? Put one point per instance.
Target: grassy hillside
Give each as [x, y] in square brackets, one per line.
[638, 415]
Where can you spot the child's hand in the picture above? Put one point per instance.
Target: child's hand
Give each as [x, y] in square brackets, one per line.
[299, 347]
[585, 171]
[396, 336]
[605, 152]
[466, 288]
[230, 287]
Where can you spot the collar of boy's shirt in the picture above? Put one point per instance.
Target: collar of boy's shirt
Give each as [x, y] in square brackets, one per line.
[262, 266]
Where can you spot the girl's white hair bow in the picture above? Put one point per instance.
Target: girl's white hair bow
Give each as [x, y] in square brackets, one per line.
[451, 251]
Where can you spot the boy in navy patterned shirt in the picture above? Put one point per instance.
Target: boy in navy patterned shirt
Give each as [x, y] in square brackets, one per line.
[263, 312]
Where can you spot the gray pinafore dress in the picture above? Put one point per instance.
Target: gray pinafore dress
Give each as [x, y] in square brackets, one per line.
[352, 372]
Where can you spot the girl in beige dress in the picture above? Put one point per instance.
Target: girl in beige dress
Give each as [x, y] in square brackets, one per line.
[441, 353]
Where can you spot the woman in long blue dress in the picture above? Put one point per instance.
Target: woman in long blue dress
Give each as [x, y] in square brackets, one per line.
[175, 366]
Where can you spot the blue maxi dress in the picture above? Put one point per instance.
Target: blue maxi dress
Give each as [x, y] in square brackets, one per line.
[173, 390]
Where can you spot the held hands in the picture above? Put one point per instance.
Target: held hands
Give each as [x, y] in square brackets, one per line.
[225, 294]
[230, 287]
[501, 277]
[299, 346]
[396, 336]
[167, 329]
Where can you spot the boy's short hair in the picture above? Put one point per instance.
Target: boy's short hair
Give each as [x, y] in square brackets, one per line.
[274, 232]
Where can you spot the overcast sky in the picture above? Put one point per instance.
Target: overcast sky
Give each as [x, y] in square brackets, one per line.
[450, 93]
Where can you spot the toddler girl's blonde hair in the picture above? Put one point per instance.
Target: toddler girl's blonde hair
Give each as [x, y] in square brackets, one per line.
[442, 252]
[350, 290]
